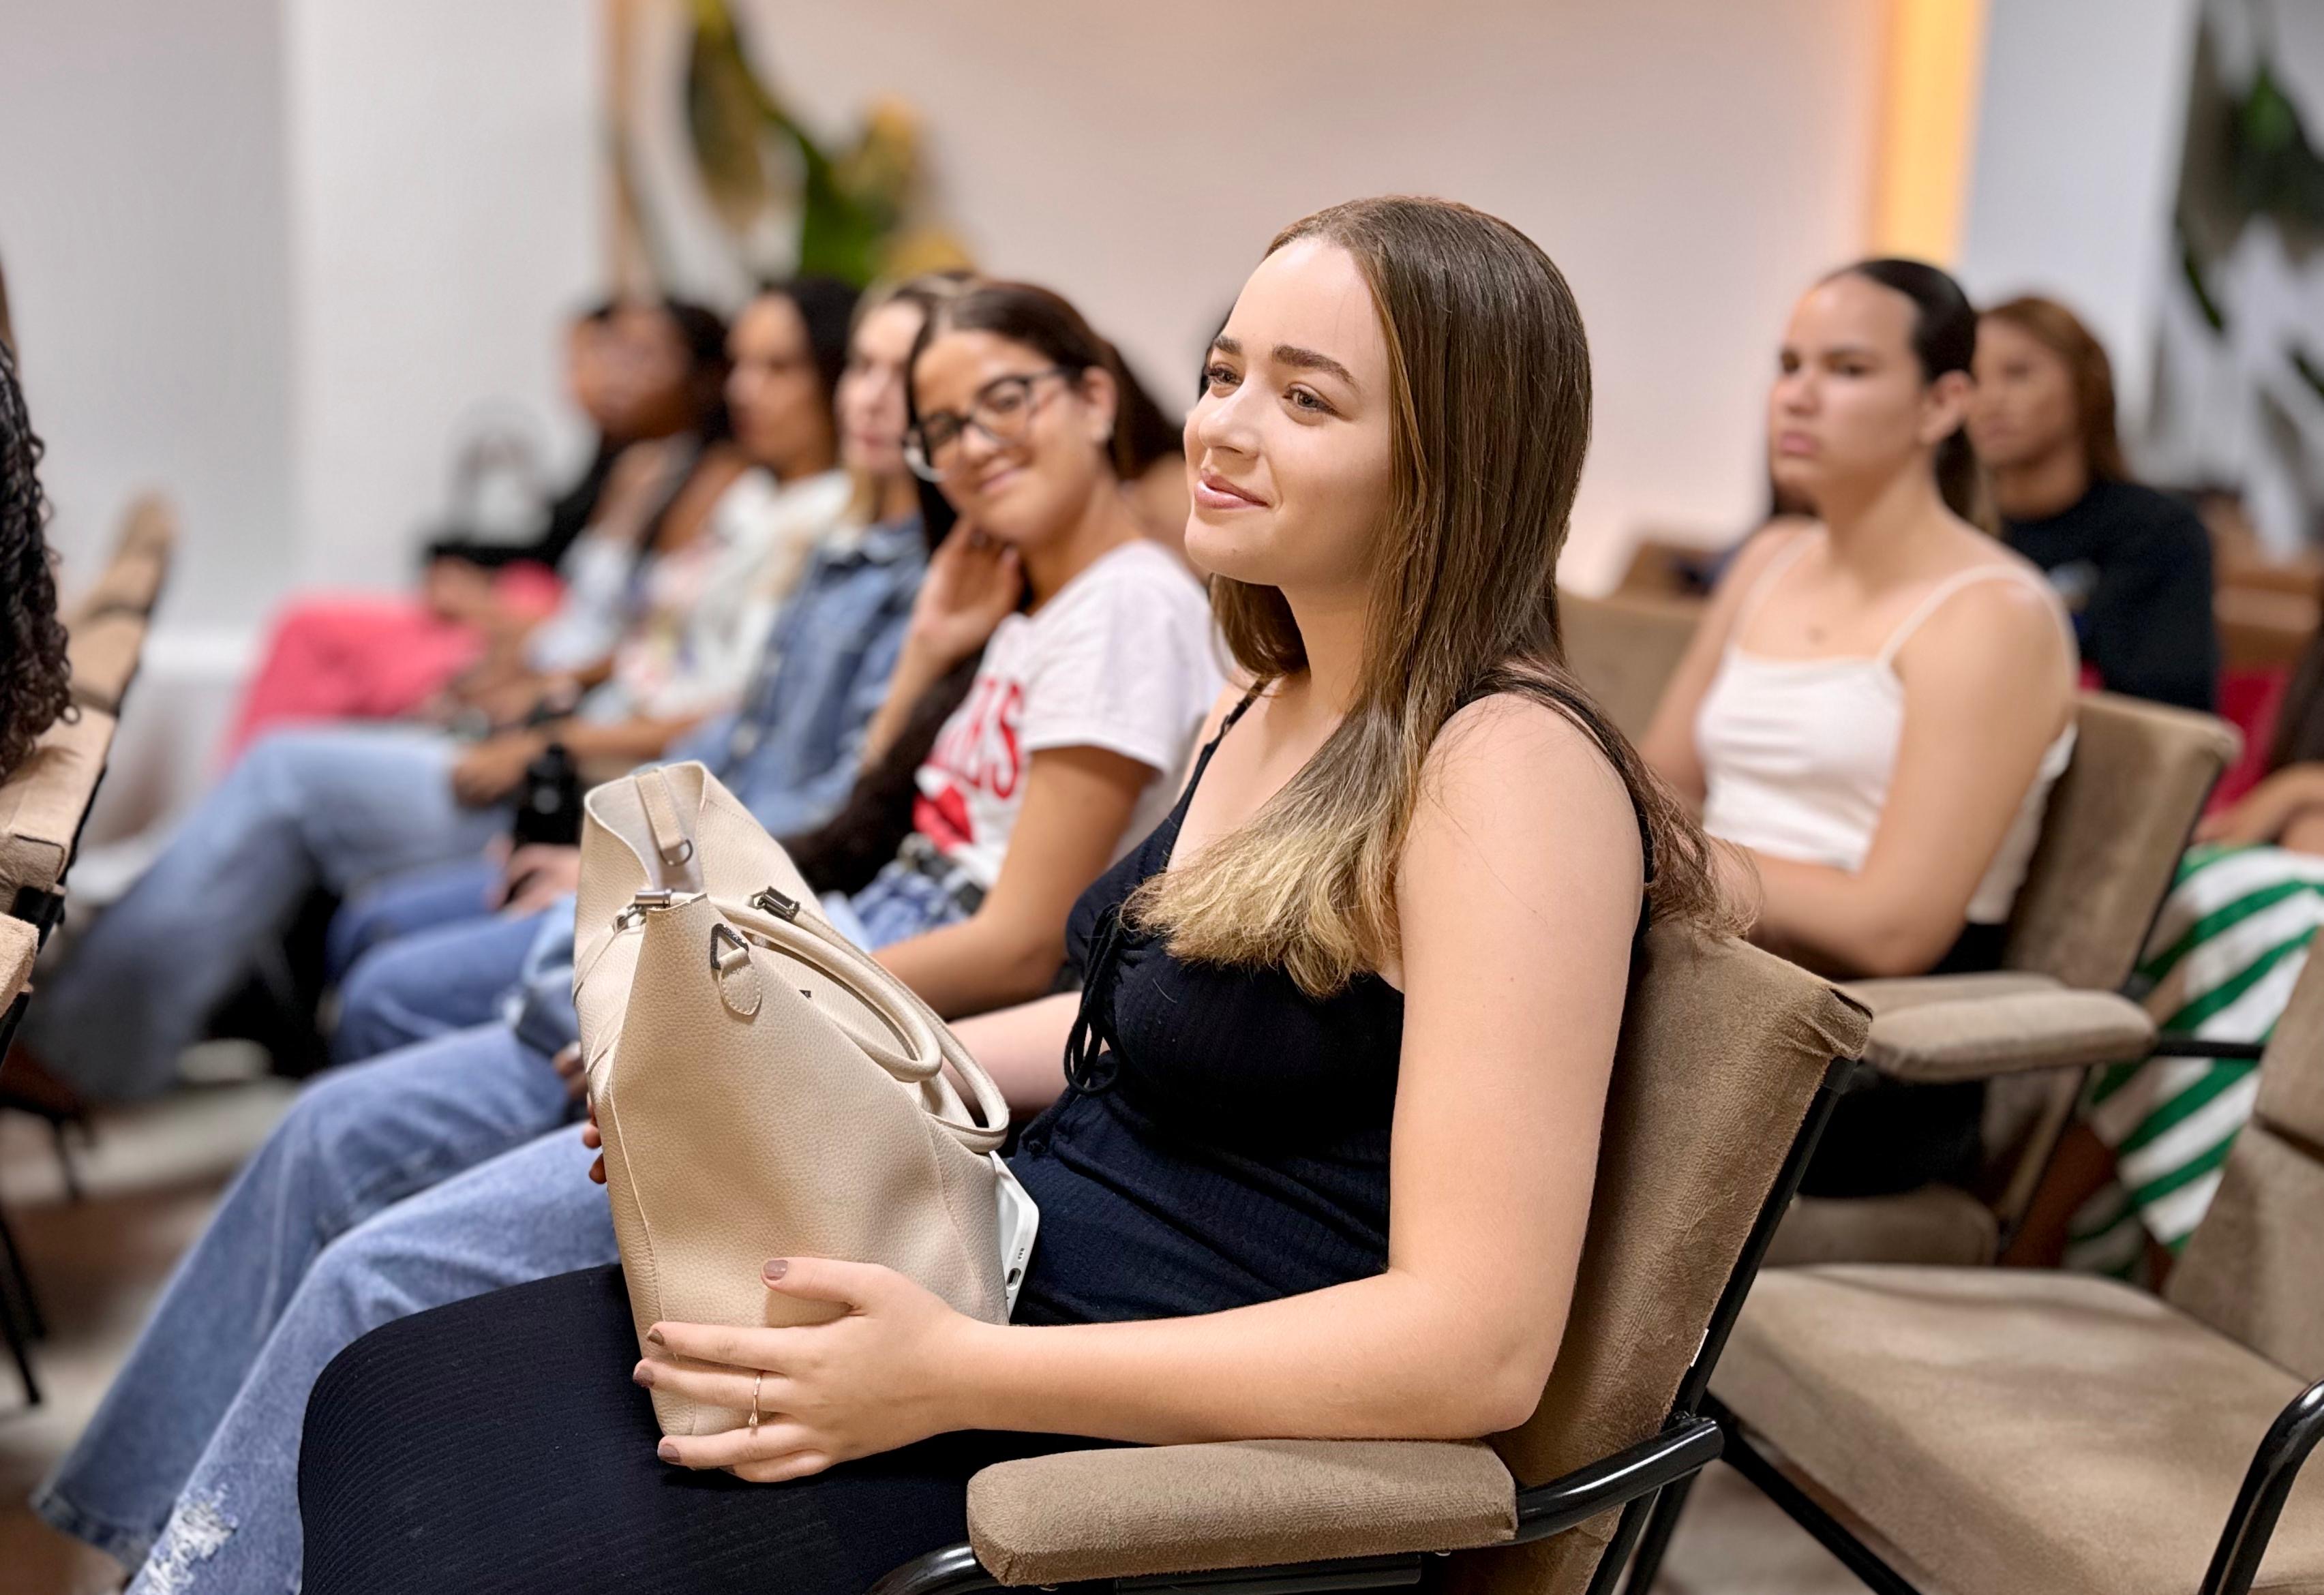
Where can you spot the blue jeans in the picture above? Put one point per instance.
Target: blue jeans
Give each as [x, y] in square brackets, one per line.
[431, 983]
[332, 1230]
[302, 809]
[415, 900]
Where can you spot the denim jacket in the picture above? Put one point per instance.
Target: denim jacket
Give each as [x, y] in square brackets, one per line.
[790, 752]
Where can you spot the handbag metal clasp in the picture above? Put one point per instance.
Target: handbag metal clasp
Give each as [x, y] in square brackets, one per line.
[781, 906]
[648, 900]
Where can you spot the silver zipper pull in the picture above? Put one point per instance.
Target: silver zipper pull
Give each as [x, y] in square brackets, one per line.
[780, 906]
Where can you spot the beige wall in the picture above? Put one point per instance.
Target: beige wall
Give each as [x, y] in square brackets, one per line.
[1691, 163]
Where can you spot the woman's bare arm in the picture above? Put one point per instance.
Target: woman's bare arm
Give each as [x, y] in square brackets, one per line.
[1077, 803]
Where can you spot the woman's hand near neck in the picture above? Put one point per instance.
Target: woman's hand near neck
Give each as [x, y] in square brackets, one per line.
[1103, 524]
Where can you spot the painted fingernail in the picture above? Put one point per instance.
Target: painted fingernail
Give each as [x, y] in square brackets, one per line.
[778, 1267]
[654, 1336]
[667, 1450]
[643, 1374]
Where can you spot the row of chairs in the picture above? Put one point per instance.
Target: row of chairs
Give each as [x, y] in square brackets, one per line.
[43, 805]
[1926, 1416]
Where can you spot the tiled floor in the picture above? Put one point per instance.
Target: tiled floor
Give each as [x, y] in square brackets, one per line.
[151, 1179]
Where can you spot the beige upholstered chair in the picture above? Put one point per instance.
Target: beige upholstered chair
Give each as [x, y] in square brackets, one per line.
[131, 584]
[1624, 649]
[1723, 1079]
[41, 806]
[107, 628]
[2117, 825]
[2008, 1432]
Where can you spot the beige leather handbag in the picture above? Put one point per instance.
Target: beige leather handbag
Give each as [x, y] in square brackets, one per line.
[765, 1088]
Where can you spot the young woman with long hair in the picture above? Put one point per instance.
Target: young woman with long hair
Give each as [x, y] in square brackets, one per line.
[1876, 704]
[2133, 566]
[1398, 892]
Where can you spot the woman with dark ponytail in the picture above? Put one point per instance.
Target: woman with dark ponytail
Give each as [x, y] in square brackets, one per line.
[1879, 700]
[33, 676]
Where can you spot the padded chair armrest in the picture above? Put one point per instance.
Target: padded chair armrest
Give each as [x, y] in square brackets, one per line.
[19, 944]
[1888, 996]
[2009, 1034]
[1245, 1503]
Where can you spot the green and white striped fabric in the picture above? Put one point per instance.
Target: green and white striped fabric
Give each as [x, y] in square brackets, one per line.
[2226, 953]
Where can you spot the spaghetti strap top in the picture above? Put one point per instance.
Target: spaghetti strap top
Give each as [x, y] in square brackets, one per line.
[1798, 755]
[1223, 1137]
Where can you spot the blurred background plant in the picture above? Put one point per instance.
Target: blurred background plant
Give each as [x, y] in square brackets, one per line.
[785, 199]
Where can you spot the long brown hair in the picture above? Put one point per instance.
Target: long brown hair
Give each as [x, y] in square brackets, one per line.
[2059, 330]
[1489, 383]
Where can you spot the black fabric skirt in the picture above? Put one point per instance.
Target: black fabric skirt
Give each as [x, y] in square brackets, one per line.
[498, 1447]
[1887, 1135]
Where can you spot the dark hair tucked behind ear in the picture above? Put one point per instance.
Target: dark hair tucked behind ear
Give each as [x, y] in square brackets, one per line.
[1944, 339]
[34, 680]
[1042, 321]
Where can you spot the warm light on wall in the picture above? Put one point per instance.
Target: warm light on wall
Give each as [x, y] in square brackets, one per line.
[1928, 118]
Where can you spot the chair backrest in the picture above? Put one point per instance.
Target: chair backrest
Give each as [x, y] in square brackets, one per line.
[2255, 1267]
[45, 801]
[1722, 1048]
[104, 652]
[1623, 649]
[2117, 823]
[131, 581]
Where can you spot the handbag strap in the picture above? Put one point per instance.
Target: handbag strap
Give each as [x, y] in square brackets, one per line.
[672, 841]
[927, 1036]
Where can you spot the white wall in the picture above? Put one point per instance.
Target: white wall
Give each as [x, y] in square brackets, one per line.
[444, 219]
[2079, 130]
[142, 227]
[1691, 163]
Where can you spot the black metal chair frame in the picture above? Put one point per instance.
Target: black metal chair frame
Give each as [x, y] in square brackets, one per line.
[2235, 1560]
[1631, 1478]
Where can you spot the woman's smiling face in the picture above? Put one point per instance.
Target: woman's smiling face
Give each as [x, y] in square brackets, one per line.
[1290, 449]
[1034, 478]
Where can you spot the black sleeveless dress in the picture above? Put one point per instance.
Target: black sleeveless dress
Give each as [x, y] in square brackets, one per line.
[1222, 1140]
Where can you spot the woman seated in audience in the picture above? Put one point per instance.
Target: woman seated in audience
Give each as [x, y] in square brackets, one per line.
[1877, 704]
[438, 947]
[35, 681]
[339, 806]
[1399, 892]
[639, 372]
[401, 993]
[1082, 710]
[2136, 1174]
[2133, 564]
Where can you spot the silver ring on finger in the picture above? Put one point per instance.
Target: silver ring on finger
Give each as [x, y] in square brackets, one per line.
[756, 1381]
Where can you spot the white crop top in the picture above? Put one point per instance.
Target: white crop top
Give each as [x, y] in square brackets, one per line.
[1798, 754]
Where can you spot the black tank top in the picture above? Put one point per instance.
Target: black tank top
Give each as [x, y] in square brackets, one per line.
[1223, 1137]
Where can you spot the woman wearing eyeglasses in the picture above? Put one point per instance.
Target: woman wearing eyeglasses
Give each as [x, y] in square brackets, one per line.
[1098, 671]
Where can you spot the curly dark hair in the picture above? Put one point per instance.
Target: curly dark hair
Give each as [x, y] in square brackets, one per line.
[35, 683]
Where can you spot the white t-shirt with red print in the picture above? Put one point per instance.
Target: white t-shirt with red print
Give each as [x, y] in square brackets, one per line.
[1123, 657]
